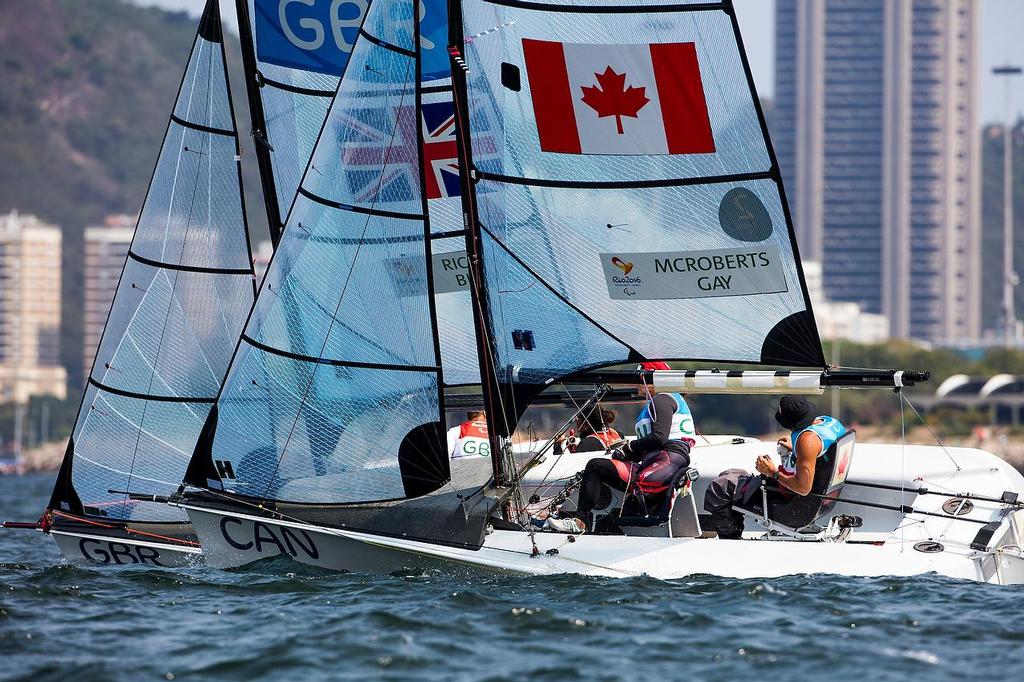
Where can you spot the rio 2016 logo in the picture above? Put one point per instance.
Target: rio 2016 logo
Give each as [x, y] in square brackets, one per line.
[628, 284]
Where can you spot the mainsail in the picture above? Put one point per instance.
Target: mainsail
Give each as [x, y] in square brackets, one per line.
[295, 54]
[632, 206]
[186, 287]
[333, 409]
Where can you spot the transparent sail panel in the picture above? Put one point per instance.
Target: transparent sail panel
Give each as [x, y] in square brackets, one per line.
[171, 332]
[309, 432]
[334, 394]
[124, 443]
[203, 99]
[183, 296]
[354, 291]
[628, 191]
[185, 220]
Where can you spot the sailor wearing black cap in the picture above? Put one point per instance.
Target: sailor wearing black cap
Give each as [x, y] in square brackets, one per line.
[810, 437]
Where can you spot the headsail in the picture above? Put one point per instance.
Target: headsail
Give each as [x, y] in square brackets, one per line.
[333, 408]
[184, 292]
[633, 207]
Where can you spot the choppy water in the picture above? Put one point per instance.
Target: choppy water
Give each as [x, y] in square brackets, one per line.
[278, 620]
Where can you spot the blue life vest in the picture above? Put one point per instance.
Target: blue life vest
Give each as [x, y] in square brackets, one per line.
[682, 420]
[829, 431]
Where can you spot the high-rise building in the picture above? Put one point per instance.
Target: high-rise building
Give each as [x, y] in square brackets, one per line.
[106, 248]
[876, 136]
[30, 252]
[261, 259]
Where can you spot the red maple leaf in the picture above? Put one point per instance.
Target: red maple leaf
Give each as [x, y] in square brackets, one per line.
[611, 97]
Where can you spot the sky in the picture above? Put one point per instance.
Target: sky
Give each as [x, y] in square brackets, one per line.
[998, 37]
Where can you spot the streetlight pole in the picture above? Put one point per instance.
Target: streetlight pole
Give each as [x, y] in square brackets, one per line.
[1009, 275]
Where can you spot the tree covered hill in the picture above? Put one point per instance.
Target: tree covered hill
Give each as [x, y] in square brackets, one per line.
[86, 90]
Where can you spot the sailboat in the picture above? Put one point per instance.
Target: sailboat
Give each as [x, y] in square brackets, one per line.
[186, 287]
[621, 203]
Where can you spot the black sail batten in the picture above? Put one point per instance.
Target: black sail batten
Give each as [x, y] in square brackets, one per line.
[161, 265]
[264, 81]
[625, 184]
[150, 396]
[385, 44]
[203, 128]
[157, 362]
[337, 362]
[369, 210]
[494, 404]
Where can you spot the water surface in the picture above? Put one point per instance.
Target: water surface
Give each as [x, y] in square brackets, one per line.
[280, 620]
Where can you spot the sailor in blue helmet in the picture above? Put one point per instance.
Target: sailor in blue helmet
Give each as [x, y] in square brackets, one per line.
[811, 435]
[644, 466]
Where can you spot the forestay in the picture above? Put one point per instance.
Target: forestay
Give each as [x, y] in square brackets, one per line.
[334, 400]
[179, 307]
[630, 204]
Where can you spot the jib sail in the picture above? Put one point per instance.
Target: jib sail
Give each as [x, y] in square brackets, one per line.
[179, 307]
[630, 206]
[333, 409]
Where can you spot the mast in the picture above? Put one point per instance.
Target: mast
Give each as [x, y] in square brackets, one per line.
[496, 418]
[257, 115]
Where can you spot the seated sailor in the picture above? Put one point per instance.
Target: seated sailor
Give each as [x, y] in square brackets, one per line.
[811, 437]
[469, 439]
[640, 467]
[594, 432]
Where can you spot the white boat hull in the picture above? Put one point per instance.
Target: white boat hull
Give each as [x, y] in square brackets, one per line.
[885, 545]
[85, 548]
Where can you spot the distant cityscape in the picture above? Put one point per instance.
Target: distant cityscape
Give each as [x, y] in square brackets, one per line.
[876, 129]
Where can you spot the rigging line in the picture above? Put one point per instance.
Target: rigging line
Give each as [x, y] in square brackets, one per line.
[930, 431]
[348, 278]
[903, 460]
[174, 285]
[126, 529]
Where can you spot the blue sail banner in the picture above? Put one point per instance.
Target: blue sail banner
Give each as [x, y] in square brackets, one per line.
[318, 36]
[306, 34]
[434, 40]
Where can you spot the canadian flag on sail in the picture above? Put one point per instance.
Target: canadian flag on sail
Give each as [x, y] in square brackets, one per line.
[618, 99]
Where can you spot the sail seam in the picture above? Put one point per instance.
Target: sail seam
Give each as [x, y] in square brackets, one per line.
[609, 9]
[145, 396]
[634, 184]
[557, 293]
[296, 89]
[338, 363]
[200, 127]
[386, 45]
[189, 268]
[360, 209]
[350, 241]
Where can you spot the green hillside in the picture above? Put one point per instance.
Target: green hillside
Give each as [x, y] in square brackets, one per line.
[86, 91]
